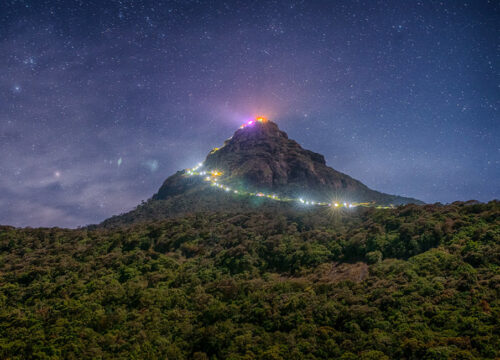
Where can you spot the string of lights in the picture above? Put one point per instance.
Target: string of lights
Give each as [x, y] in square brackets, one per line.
[212, 176]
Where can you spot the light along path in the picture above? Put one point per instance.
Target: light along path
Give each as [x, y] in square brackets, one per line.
[212, 176]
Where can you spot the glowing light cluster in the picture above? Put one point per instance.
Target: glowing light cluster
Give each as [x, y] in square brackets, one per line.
[192, 171]
[252, 122]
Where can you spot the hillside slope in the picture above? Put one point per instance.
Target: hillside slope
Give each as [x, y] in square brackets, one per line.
[415, 282]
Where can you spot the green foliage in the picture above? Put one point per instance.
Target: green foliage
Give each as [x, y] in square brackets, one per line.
[258, 285]
[374, 257]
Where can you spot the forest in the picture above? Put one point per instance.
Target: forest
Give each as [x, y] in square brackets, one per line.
[414, 282]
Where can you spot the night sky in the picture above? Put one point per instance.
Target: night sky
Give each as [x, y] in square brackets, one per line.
[100, 101]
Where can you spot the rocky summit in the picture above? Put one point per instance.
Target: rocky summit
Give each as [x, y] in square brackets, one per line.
[261, 157]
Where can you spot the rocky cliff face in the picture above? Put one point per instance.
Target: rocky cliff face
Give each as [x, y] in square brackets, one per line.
[261, 157]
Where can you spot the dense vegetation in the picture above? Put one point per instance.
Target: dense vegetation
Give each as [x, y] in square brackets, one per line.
[416, 282]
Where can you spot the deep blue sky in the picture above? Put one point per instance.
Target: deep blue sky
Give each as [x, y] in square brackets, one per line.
[402, 95]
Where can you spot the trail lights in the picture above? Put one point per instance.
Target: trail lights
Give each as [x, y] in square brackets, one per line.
[192, 171]
[211, 176]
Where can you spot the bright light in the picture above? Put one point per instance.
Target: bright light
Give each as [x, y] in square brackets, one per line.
[260, 119]
[336, 204]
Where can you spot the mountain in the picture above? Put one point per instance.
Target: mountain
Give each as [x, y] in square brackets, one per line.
[259, 160]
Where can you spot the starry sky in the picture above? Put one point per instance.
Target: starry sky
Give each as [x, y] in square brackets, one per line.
[100, 101]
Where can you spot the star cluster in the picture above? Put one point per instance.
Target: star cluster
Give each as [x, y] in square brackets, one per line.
[100, 101]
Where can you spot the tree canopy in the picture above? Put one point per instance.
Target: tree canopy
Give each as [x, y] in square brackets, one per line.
[415, 282]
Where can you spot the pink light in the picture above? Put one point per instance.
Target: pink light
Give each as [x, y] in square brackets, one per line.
[252, 122]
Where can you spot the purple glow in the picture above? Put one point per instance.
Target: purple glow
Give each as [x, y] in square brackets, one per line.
[248, 123]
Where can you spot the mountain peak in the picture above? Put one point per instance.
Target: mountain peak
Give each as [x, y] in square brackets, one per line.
[258, 161]
[260, 158]
[259, 128]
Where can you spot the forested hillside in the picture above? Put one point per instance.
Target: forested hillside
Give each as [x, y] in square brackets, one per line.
[415, 282]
